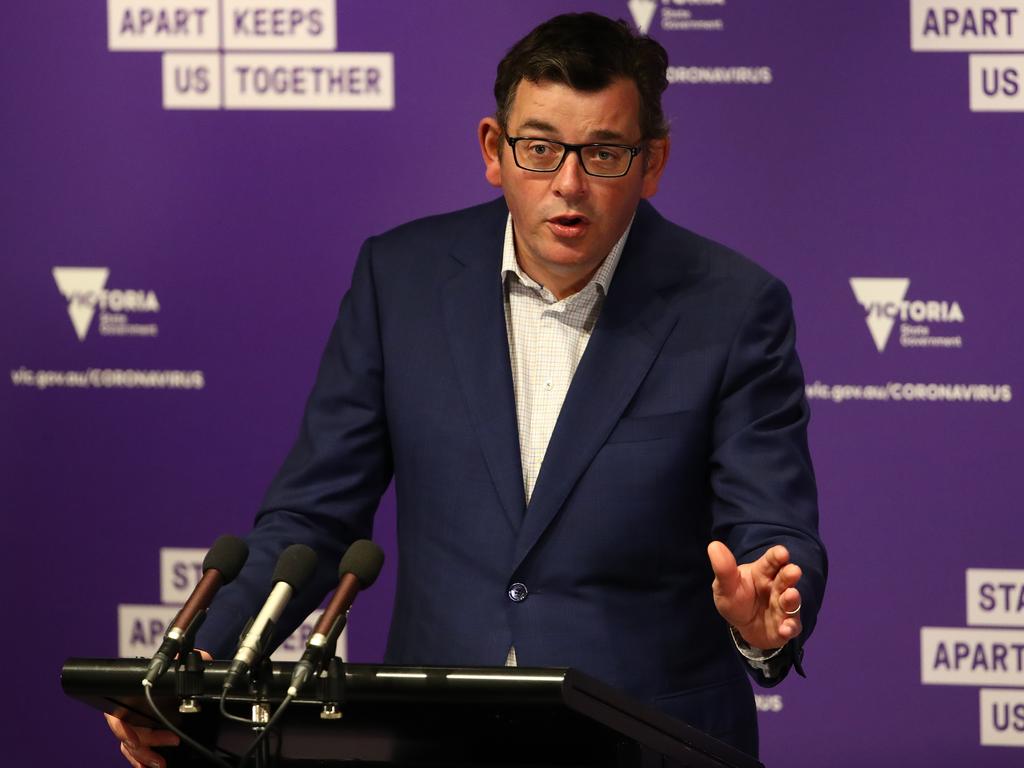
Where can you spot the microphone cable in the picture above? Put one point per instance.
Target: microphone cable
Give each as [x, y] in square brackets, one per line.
[148, 688]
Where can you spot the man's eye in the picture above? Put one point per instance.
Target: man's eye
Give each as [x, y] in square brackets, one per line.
[540, 149]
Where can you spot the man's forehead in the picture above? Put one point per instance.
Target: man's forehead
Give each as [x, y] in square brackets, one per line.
[606, 114]
[596, 133]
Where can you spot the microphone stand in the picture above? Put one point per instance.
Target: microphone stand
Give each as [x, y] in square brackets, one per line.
[332, 677]
[331, 693]
[261, 675]
[189, 669]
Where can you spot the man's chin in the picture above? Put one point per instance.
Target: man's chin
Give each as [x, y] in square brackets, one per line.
[571, 262]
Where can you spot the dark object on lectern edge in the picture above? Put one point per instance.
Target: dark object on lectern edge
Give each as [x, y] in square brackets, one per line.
[420, 716]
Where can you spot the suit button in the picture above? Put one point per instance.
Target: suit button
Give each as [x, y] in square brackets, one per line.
[517, 592]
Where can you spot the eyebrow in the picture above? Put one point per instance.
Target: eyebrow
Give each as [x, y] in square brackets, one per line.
[602, 134]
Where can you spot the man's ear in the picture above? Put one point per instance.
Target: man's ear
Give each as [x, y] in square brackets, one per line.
[489, 134]
[655, 157]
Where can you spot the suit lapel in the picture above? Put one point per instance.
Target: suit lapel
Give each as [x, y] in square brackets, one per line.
[632, 327]
[474, 313]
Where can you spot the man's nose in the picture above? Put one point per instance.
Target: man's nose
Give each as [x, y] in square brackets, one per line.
[570, 180]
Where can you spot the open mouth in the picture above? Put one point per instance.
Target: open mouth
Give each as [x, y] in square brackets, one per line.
[568, 225]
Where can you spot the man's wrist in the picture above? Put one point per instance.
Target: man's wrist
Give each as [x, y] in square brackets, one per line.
[758, 658]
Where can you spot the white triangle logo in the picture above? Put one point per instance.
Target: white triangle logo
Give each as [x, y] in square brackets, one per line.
[643, 11]
[881, 298]
[81, 286]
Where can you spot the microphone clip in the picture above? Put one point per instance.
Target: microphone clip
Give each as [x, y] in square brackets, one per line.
[332, 689]
[238, 668]
[189, 682]
[174, 646]
[187, 644]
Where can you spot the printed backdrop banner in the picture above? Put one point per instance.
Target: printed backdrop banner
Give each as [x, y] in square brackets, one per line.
[185, 188]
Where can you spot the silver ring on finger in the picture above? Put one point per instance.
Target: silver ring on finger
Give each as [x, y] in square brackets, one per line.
[795, 611]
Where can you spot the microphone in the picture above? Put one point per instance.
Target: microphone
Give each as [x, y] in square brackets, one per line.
[358, 569]
[294, 568]
[220, 566]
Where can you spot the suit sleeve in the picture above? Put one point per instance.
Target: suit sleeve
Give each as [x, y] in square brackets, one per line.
[328, 489]
[761, 473]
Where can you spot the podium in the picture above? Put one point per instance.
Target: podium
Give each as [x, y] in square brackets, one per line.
[413, 717]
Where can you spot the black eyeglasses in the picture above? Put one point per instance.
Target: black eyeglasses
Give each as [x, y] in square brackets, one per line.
[547, 156]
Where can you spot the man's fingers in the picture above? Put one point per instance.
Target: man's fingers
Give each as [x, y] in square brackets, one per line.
[143, 756]
[128, 756]
[790, 628]
[727, 574]
[122, 731]
[790, 603]
[136, 742]
[766, 611]
[787, 578]
[772, 561]
[162, 739]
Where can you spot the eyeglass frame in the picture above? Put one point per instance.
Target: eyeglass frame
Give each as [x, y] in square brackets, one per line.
[634, 150]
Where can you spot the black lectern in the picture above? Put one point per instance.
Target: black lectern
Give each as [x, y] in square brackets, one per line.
[414, 717]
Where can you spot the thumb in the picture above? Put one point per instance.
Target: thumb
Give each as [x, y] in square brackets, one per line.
[727, 574]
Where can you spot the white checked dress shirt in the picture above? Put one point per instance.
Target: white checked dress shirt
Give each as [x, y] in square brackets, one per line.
[546, 340]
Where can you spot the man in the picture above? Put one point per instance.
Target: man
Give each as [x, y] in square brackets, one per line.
[583, 406]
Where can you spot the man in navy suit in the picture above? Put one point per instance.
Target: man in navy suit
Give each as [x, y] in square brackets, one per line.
[590, 415]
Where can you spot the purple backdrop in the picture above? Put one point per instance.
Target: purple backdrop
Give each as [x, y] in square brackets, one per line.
[828, 141]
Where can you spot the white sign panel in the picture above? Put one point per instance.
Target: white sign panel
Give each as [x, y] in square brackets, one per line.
[1002, 717]
[995, 597]
[180, 571]
[966, 656]
[309, 81]
[146, 25]
[191, 81]
[287, 25]
[997, 83]
[966, 25]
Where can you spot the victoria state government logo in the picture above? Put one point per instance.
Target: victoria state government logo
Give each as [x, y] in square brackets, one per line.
[643, 13]
[85, 289]
[678, 15]
[885, 302]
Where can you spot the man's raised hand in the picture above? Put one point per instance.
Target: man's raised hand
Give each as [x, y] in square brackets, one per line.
[759, 600]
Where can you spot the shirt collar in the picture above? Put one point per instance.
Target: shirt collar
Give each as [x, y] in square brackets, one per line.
[601, 280]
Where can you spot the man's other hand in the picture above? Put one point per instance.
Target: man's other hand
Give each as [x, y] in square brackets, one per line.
[137, 742]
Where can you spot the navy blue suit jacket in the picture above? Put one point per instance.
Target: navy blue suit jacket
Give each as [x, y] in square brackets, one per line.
[685, 421]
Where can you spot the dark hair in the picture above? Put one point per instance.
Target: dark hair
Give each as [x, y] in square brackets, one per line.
[586, 51]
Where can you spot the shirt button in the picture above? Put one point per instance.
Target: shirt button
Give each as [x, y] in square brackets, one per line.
[517, 592]
[547, 385]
